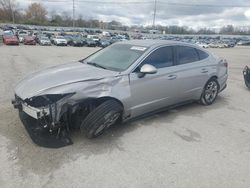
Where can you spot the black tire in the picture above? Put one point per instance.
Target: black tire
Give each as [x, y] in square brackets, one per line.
[210, 92]
[101, 118]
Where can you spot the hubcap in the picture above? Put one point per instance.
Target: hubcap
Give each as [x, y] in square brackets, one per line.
[211, 91]
[110, 120]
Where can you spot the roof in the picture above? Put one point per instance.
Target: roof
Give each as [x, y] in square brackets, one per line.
[154, 43]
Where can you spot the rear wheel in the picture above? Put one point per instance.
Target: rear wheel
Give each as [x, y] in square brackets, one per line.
[210, 92]
[101, 118]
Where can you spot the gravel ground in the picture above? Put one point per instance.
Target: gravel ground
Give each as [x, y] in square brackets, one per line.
[191, 146]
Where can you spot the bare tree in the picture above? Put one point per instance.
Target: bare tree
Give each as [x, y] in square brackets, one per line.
[36, 12]
[8, 9]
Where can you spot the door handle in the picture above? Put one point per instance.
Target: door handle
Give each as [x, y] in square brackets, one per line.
[172, 77]
[204, 71]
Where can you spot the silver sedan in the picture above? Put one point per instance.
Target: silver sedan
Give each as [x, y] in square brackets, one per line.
[118, 83]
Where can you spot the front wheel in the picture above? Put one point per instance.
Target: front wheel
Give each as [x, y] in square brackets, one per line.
[210, 92]
[101, 118]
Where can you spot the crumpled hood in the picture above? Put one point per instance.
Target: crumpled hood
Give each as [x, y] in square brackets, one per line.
[39, 82]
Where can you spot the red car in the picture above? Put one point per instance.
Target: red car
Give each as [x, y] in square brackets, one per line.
[29, 40]
[10, 39]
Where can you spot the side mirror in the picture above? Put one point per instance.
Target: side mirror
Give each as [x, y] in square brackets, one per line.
[148, 69]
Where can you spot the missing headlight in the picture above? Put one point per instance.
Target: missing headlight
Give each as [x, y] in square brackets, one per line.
[45, 100]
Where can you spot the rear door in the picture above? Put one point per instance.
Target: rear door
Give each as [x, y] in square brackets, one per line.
[154, 91]
[192, 71]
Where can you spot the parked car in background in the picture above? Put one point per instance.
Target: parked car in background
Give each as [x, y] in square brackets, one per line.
[44, 41]
[93, 37]
[231, 44]
[77, 41]
[213, 45]
[59, 41]
[114, 39]
[202, 45]
[29, 40]
[123, 81]
[244, 43]
[21, 34]
[104, 43]
[68, 38]
[9, 38]
[1, 33]
[223, 45]
[90, 42]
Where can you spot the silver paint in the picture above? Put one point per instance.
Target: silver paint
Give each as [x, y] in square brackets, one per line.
[138, 95]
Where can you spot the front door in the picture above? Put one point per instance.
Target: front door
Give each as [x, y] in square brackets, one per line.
[154, 91]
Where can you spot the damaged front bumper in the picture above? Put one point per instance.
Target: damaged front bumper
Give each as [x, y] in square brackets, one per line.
[40, 125]
[35, 113]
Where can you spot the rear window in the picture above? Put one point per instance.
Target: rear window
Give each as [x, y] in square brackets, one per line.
[8, 34]
[187, 55]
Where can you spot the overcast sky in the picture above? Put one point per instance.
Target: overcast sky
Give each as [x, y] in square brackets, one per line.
[192, 13]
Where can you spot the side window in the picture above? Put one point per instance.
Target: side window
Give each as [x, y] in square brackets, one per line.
[202, 54]
[187, 55]
[160, 58]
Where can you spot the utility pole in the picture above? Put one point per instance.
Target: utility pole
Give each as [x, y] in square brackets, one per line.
[73, 13]
[154, 15]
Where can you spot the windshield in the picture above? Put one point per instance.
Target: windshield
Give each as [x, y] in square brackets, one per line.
[22, 33]
[117, 57]
[8, 34]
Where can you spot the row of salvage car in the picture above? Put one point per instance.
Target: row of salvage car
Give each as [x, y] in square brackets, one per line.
[58, 39]
[104, 39]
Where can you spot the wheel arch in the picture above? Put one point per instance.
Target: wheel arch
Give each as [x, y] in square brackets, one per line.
[210, 78]
[96, 101]
[213, 77]
[105, 98]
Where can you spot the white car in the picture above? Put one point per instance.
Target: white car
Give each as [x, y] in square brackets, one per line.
[93, 37]
[43, 40]
[202, 45]
[59, 41]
